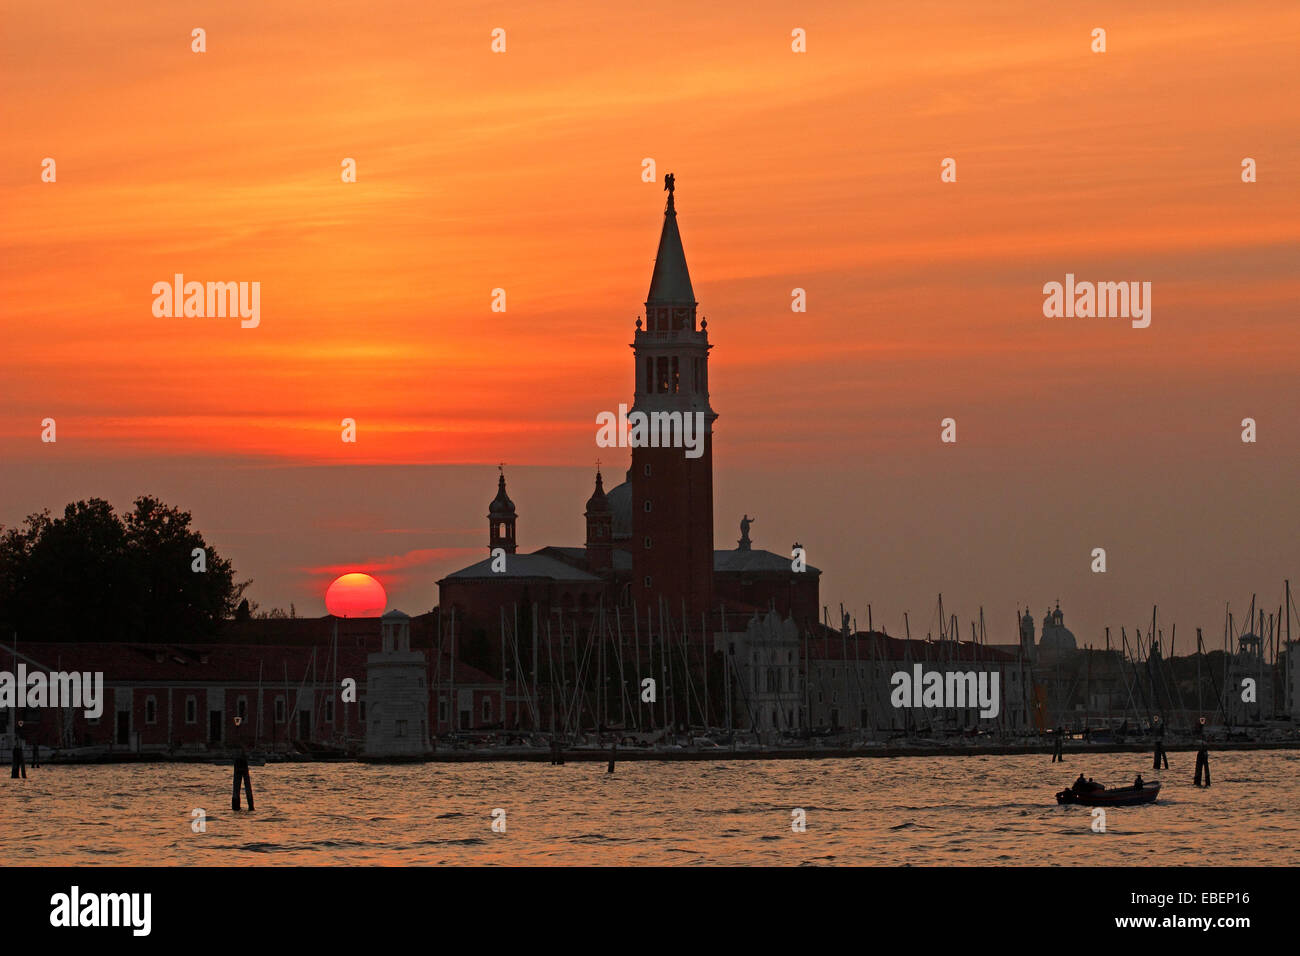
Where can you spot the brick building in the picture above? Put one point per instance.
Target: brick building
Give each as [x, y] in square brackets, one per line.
[278, 696]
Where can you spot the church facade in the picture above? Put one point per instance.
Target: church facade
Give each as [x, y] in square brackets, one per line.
[649, 541]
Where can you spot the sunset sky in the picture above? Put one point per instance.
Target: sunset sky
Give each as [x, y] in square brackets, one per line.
[818, 170]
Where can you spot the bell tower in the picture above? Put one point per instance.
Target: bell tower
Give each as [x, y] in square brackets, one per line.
[600, 529]
[672, 493]
[501, 518]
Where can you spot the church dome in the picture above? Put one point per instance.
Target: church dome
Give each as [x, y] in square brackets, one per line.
[1056, 636]
[620, 505]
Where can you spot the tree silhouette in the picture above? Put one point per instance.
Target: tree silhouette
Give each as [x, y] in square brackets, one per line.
[92, 576]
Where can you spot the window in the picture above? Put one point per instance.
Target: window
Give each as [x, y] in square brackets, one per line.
[401, 728]
[191, 710]
[361, 709]
[487, 710]
[676, 377]
[280, 711]
[647, 580]
[241, 708]
[647, 542]
[646, 470]
[647, 505]
[151, 710]
[442, 710]
[649, 383]
[329, 709]
[661, 368]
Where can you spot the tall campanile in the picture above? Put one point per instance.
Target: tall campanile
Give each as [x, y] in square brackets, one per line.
[672, 494]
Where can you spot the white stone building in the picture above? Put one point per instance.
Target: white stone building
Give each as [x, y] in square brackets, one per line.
[397, 694]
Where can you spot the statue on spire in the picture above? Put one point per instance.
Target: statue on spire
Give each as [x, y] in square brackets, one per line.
[670, 184]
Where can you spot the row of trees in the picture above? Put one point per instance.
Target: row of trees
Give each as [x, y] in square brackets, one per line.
[92, 575]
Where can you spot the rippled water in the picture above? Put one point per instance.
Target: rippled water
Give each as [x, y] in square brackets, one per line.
[914, 810]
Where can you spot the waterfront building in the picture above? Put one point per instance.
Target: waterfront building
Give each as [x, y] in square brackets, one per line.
[397, 694]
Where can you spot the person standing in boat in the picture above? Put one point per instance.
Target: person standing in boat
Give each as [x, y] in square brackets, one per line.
[1138, 784]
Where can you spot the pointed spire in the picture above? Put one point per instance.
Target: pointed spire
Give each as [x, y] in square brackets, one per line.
[671, 282]
[598, 503]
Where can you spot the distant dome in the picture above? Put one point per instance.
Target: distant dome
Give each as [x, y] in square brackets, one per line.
[1056, 636]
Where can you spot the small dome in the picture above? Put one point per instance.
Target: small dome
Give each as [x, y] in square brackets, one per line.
[501, 504]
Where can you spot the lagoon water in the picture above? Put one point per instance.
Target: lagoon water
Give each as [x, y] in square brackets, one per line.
[931, 811]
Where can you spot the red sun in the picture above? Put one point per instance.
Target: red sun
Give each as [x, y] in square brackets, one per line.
[355, 595]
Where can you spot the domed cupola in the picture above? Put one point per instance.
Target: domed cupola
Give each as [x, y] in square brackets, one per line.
[501, 518]
[1057, 639]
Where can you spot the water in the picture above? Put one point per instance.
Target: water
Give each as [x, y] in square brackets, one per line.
[883, 811]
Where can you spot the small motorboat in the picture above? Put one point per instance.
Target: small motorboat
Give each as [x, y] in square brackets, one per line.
[1118, 797]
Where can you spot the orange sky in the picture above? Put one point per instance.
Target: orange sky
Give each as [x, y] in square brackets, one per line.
[522, 171]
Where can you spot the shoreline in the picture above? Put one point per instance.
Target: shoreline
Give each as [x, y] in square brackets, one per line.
[603, 756]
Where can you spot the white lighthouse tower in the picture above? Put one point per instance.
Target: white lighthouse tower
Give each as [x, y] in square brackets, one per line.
[397, 694]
